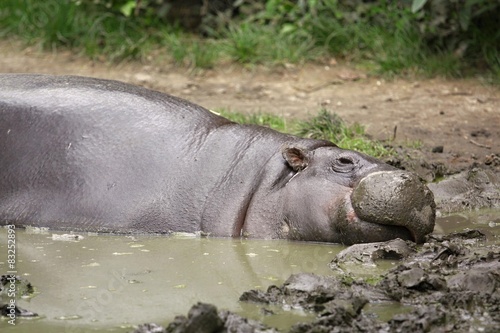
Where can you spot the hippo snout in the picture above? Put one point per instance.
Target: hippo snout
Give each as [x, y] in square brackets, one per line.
[395, 198]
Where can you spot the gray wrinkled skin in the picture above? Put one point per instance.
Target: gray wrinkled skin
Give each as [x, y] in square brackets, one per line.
[96, 155]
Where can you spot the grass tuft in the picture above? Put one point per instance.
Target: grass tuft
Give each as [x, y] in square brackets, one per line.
[243, 43]
[272, 121]
[329, 126]
[323, 126]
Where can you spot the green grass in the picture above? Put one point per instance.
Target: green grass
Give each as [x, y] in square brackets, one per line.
[385, 38]
[64, 24]
[323, 126]
[415, 144]
[101, 33]
[275, 122]
[243, 43]
[329, 126]
[396, 50]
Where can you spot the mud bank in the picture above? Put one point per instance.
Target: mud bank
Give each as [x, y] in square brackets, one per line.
[205, 318]
[473, 188]
[451, 283]
[459, 186]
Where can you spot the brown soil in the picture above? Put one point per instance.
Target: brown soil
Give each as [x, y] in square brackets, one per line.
[462, 116]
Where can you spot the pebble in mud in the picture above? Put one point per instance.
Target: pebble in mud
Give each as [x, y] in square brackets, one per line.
[437, 149]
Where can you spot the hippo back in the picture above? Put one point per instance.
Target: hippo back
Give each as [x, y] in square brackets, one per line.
[75, 146]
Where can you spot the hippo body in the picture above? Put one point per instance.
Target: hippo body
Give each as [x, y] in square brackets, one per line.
[88, 154]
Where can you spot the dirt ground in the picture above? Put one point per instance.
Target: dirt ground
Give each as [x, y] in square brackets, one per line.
[462, 116]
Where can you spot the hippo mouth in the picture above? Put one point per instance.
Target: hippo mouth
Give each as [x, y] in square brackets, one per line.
[387, 205]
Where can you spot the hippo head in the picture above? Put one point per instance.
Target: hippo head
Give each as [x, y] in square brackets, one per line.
[342, 196]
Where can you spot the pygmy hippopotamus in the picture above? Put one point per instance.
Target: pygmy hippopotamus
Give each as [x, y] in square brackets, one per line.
[88, 154]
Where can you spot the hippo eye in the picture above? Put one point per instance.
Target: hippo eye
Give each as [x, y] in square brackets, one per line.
[344, 164]
[346, 160]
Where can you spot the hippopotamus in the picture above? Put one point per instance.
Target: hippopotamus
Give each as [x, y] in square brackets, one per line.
[87, 154]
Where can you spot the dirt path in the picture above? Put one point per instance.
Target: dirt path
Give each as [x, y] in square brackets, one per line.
[463, 116]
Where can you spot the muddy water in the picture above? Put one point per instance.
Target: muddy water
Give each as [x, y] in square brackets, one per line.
[112, 281]
[486, 220]
[106, 283]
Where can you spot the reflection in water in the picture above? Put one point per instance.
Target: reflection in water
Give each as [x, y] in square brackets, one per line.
[108, 283]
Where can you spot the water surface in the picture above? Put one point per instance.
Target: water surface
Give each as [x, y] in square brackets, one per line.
[108, 283]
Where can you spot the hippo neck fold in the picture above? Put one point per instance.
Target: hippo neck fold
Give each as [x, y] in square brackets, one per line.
[238, 166]
[247, 174]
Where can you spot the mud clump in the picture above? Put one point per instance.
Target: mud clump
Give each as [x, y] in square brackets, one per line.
[22, 288]
[205, 318]
[338, 302]
[471, 189]
[450, 284]
[368, 253]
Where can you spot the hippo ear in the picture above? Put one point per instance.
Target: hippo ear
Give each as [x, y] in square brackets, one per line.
[296, 158]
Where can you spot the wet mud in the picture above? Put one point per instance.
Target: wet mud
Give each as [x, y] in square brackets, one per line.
[205, 318]
[473, 188]
[21, 288]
